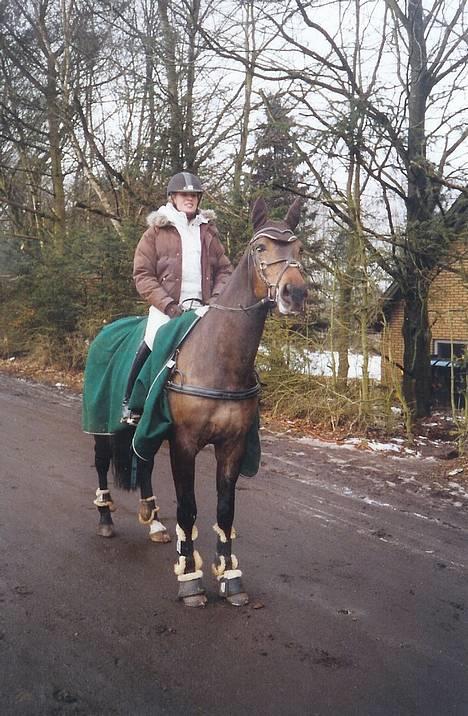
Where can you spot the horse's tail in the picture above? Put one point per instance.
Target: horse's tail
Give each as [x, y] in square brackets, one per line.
[124, 460]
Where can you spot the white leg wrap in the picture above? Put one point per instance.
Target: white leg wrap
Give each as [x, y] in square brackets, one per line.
[181, 534]
[221, 533]
[219, 570]
[156, 526]
[191, 575]
[179, 567]
[103, 499]
[181, 537]
[230, 574]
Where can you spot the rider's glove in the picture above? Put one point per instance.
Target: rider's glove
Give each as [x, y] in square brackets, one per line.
[173, 310]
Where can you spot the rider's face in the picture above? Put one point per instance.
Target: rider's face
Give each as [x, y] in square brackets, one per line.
[186, 201]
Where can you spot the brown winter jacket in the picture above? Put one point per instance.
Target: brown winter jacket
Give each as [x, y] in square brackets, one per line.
[157, 266]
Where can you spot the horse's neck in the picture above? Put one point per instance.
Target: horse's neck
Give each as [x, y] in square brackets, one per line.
[230, 339]
[240, 331]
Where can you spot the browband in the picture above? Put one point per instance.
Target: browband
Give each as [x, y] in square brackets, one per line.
[274, 230]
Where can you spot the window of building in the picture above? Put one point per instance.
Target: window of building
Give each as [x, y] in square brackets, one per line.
[444, 349]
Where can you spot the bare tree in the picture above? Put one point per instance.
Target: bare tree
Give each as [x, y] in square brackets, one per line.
[409, 99]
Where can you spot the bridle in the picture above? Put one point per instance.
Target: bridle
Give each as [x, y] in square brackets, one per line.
[260, 266]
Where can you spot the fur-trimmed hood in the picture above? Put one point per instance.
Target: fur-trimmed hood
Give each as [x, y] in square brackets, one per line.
[160, 217]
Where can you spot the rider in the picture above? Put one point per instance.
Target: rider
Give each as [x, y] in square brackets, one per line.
[179, 259]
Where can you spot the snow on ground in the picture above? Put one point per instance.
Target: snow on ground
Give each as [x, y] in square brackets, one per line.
[322, 364]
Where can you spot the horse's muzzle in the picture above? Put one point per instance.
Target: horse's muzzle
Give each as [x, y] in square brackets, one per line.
[291, 298]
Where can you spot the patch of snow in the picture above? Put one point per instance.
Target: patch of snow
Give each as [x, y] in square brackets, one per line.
[326, 363]
[370, 501]
[384, 447]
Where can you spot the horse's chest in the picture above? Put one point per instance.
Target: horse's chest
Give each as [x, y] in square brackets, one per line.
[214, 418]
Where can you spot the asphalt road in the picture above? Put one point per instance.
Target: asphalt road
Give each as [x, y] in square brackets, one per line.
[356, 570]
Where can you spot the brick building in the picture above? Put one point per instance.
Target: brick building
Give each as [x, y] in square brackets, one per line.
[448, 318]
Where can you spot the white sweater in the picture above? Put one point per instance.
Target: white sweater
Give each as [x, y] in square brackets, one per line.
[191, 265]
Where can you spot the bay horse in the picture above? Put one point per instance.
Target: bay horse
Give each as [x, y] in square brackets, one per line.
[213, 399]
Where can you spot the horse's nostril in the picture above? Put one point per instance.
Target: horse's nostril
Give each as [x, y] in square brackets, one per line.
[297, 294]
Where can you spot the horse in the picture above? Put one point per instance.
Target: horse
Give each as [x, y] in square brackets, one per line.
[213, 399]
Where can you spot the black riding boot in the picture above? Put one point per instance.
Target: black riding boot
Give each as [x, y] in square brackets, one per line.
[140, 358]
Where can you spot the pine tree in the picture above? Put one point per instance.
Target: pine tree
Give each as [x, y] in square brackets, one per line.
[276, 161]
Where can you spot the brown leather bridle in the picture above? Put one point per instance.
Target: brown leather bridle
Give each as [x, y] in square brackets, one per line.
[271, 299]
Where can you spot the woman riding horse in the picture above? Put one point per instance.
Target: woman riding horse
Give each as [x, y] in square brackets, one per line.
[179, 258]
[212, 396]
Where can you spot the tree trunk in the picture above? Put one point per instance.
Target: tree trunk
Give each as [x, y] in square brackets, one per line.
[416, 330]
[190, 152]
[176, 124]
[416, 357]
[250, 56]
[55, 153]
[343, 329]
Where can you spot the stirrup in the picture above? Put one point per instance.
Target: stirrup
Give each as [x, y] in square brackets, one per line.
[128, 416]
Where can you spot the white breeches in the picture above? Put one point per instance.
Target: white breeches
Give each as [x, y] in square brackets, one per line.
[156, 319]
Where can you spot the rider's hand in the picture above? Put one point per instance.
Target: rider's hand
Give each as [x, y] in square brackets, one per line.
[173, 310]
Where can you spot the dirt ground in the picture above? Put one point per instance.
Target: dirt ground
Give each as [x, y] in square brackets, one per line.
[433, 437]
[354, 560]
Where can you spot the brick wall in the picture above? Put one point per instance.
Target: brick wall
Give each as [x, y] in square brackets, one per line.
[448, 315]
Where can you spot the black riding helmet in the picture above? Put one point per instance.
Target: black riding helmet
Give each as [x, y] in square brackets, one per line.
[185, 183]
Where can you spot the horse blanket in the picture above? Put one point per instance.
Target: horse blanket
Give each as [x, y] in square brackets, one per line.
[108, 364]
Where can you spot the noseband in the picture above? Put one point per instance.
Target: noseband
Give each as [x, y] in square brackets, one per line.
[271, 299]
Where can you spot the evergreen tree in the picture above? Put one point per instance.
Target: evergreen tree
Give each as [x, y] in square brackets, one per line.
[276, 163]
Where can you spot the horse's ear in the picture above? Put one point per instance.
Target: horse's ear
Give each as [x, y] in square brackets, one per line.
[294, 213]
[259, 213]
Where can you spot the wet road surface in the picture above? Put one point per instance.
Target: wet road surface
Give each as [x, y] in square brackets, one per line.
[356, 570]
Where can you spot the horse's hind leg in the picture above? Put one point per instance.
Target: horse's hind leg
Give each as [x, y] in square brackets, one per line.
[226, 565]
[189, 563]
[103, 501]
[148, 512]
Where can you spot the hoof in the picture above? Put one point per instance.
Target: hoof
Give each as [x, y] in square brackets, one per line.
[192, 593]
[238, 600]
[161, 537]
[232, 591]
[196, 600]
[106, 531]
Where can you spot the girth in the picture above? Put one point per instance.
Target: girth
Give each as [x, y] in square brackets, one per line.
[214, 393]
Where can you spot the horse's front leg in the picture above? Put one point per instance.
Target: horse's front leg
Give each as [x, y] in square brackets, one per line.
[103, 501]
[226, 564]
[148, 513]
[189, 562]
